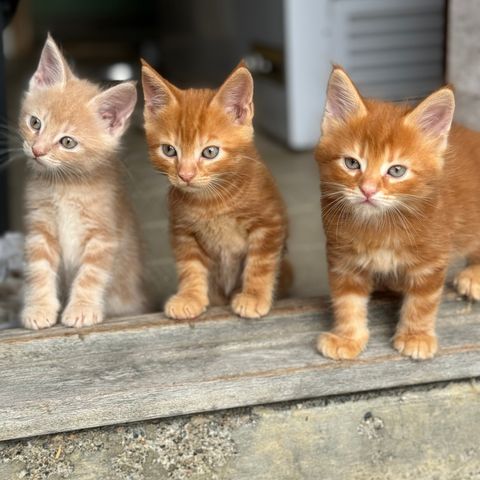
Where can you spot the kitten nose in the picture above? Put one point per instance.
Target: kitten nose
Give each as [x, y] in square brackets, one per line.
[368, 189]
[187, 175]
[38, 152]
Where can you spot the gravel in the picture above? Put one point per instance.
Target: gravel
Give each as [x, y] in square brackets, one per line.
[181, 448]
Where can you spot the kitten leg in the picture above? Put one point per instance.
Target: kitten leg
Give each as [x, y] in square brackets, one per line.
[260, 273]
[191, 300]
[415, 336]
[349, 335]
[86, 304]
[467, 282]
[41, 304]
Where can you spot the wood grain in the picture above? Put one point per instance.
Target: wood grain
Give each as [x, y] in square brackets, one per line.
[146, 367]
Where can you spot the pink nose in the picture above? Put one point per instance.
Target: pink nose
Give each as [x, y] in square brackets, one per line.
[38, 152]
[368, 189]
[187, 175]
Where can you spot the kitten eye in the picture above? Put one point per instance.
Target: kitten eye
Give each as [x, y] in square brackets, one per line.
[169, 151]
[210, 152]
[68, 142]
[397, 171]
[35, 123]
[351, 163]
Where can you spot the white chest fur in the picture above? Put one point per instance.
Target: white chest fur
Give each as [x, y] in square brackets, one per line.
[71, 230]
[380, 260]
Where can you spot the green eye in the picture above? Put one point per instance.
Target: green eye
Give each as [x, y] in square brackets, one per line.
[169, 151]
[210, 152]
[351, 163]
[397, 171]
[68, 142]
[35, 123]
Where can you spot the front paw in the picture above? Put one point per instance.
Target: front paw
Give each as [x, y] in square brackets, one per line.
[419, 346]
[336, 347]
[467, 282]
[183, 306]
[250, 306]
[82, 315]
[37, 317]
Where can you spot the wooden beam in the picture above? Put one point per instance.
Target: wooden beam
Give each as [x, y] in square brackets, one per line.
[148, 367]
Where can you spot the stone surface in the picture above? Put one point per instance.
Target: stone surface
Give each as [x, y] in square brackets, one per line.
[463, 67]
[427, 433]
[467, 109]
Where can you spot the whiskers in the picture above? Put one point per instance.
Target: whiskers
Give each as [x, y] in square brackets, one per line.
[55, 171]
[337, 209]
[10, 155]
[388, 215]
[11, 148]
[222, 187]
[218, 188]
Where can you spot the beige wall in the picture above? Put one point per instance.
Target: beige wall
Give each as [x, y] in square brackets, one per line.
[463, 59]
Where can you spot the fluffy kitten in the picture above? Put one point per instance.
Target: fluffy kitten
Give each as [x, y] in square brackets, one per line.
[400, 195]
[228, 222]
[82, 240]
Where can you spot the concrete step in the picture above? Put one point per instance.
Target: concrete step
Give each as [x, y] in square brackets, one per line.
[430, 432]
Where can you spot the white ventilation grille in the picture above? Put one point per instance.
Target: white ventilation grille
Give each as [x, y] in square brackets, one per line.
[392, 49]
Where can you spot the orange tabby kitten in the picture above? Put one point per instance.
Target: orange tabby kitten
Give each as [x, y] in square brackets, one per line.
[400, 195]
[227, 219]
[81, 232]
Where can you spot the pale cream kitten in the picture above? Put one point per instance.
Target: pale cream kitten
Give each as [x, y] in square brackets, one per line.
[82, 241]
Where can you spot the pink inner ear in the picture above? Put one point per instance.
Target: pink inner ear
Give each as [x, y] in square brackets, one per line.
[115, 106]
[436, 119]
[155, 93]
[236, 95]
[342, 100]
[110, 116]
[51, 69]
[238, 112]
[337, 104]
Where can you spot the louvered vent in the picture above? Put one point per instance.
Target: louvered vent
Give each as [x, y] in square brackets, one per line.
[392, 49]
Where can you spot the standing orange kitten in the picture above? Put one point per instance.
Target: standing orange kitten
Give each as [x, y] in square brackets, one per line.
[228, 222]
[81, 236]
[400, 197]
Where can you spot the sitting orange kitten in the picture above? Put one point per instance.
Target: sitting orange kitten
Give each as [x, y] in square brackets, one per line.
[228, 222]
[81, 236]
[400, 197]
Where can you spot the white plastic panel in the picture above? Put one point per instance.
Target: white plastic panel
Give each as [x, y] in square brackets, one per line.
[393, 49]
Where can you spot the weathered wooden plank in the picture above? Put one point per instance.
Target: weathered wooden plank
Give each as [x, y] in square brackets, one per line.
[148, 367]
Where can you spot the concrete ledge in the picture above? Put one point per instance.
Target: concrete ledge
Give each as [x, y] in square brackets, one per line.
[429, 433]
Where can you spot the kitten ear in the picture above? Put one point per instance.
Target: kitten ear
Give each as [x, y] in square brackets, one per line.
[158, 93]
[52, 68]
[115, 106]
[343, 99]
[434, 115]
[235, 96]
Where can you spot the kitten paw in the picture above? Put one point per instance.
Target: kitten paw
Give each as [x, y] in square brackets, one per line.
[184, 307]
[467, 282]
[82, 315]
[419, 346]
[336, 347]
[39, 317]
[249, 306]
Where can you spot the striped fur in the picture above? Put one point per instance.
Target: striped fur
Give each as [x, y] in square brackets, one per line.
[416, 224]
[82, 241]
[228, 222]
